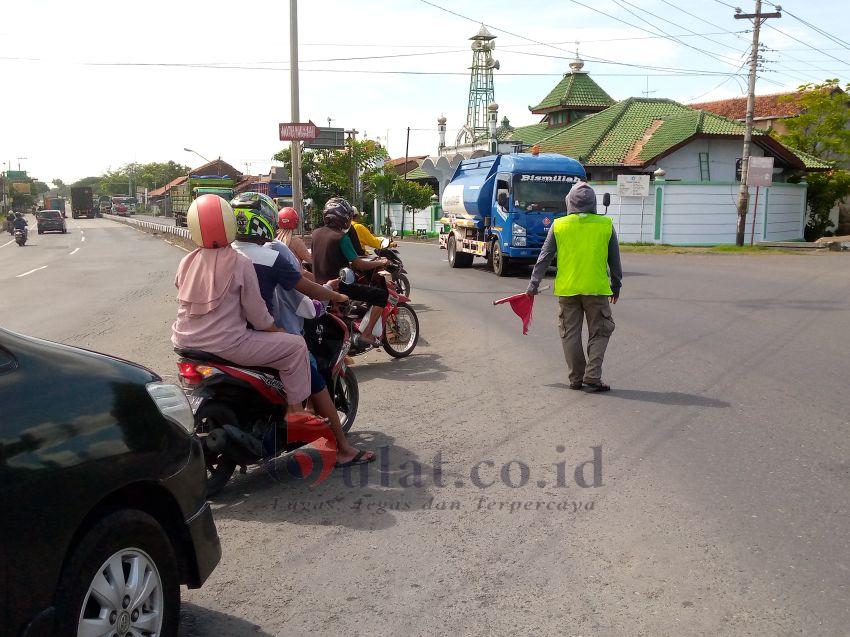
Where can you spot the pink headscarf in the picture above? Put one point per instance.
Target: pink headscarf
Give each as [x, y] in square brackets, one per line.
[203, 278]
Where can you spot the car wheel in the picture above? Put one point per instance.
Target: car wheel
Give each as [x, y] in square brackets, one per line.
[120, 579]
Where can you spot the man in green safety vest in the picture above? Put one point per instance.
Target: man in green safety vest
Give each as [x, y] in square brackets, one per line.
[589, 279]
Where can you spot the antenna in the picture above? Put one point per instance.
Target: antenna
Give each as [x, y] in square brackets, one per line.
[647, 92]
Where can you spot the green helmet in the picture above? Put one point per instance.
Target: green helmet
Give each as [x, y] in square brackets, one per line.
[256, 216]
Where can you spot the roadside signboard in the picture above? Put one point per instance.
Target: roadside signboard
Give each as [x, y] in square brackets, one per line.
[297, 132]
[760, 171]
[633, 185]
[328, 138]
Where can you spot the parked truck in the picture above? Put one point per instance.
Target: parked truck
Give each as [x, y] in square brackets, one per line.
[183, 195]
[500, 207]
[82, 203]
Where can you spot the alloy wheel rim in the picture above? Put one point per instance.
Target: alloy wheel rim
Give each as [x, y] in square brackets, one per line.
[125, 598]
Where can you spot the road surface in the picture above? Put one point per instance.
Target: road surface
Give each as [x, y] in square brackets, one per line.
[713, 482]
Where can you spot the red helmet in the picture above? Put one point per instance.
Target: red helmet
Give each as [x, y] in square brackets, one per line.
[211, 222]
[287, 219]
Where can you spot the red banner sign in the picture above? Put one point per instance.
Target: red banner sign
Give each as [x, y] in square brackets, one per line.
[296, 132]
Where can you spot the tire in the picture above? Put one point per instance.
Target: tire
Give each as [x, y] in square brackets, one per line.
[403, 284]
[410, 318]
[219, 467]
[457, 259]
[136, 539]
[41, 232]
[500, 262]
[346, 397]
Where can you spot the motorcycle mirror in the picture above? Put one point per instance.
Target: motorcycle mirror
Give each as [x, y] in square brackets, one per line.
[385, 243]
[395, 233]
[606, 200]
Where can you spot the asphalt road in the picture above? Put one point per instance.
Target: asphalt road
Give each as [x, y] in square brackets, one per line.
[717, 505]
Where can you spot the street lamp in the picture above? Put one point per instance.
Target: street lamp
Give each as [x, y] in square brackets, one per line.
[189, 150]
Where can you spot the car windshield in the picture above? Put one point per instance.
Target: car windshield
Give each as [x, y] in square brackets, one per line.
[542, 193]
[51, 214]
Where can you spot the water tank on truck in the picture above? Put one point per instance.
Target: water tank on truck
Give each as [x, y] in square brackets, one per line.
[501, 207]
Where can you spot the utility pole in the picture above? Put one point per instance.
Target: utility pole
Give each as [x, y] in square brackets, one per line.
[296, 116]
[743, 193]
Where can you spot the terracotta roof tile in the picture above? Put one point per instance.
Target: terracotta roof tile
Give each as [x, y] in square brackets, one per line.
[768, 106]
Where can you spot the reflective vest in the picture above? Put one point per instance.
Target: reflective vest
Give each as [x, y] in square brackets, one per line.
[582, 241]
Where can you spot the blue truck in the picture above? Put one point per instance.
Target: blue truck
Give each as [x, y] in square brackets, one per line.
[500, 207]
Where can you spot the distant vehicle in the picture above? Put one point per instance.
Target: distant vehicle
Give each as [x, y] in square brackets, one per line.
[183, 195]
[50, 221]
[103, 495]
[82, 203]
[55, 203]
[105, 204]
[124, 206]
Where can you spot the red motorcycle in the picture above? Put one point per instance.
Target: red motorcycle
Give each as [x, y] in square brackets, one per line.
[240, 412]
[398, 328]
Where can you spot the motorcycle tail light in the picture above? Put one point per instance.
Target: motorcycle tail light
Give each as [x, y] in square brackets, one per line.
[193, 374]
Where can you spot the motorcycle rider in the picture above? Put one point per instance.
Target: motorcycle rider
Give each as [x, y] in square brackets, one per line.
[10, 221]
[287, 221]
[365, 235]
[20, 223]
[218, 294]
[333, 250]
[255, 223]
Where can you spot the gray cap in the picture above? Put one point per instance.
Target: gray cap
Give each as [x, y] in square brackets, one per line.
[581, 198]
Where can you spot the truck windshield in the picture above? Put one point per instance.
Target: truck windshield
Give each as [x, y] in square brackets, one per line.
[542, 193]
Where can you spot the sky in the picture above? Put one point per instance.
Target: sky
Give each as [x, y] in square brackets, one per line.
[91, 85]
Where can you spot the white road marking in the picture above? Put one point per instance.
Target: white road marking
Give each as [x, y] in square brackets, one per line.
[7, 243]
[30, 272]
[82, 238]
[74, 252]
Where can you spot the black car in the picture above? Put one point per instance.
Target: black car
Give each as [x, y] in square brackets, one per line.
[103, 510]
[50, 220]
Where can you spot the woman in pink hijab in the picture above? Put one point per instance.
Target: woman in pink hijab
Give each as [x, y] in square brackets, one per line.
[219, 294]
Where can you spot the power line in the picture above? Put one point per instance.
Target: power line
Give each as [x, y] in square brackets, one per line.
[814, 48]
[717, 26]
[514, 45]
[835, 39]
[613, 17]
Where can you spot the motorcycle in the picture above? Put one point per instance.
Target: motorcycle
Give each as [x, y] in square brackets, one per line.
[395, 267]
[20, 236]
[398, 328]
[240, 412]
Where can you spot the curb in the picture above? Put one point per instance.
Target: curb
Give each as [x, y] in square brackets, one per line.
[184, 239]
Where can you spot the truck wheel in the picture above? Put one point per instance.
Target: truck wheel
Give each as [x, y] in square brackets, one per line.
[457, 259]
[498, 260]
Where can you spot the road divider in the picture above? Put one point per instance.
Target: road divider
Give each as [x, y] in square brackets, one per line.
[181, 237]
[30, 272]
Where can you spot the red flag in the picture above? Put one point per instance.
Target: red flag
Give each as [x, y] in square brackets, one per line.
[522, 305]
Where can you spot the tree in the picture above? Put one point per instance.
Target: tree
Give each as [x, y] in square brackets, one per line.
[61, 187]
[91, 182]
[330, 173]
[39, 188]
[389, 186]
[822, 130]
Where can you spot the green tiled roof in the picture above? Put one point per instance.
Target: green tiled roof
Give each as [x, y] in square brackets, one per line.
[418, 173]
[528, 134]
[637, 130]
[575, 90]
[812, 162]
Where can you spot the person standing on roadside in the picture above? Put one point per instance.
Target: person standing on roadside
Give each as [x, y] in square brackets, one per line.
[588, 281]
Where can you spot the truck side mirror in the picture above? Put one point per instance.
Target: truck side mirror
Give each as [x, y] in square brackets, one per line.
[502, 198]
[606, 201]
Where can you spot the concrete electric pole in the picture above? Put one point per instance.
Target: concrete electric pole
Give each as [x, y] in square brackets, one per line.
[743, 193]
[296, 116]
